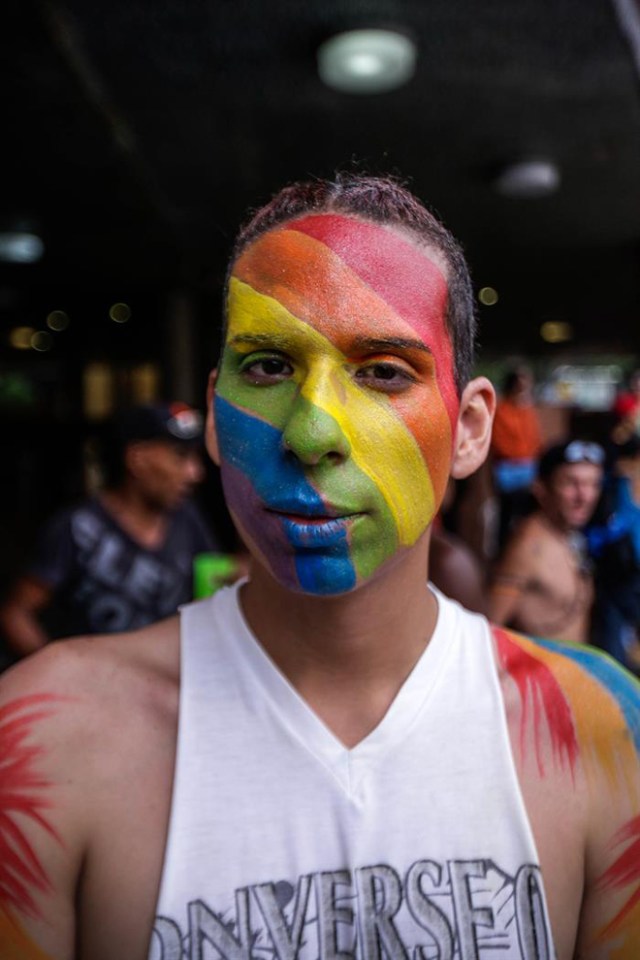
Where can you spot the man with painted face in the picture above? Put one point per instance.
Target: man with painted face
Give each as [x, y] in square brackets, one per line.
[330, 760]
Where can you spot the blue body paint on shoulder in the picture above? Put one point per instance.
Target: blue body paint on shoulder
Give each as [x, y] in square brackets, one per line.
[622, 685]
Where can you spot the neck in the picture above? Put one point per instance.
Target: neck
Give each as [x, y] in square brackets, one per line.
[349, 655]
[555, 524]
[143, 520]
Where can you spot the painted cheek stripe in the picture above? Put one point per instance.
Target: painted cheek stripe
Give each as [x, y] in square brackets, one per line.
[402, 275]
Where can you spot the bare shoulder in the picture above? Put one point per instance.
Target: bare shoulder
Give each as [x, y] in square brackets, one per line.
[78, 721]
[97, 673]
[583, 703]
[574, 718]
[525, 546]
[87, 706]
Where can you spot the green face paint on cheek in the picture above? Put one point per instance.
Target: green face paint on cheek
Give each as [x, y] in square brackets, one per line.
[372, 537]
[378, 437]
[270, 404]
[306, 339]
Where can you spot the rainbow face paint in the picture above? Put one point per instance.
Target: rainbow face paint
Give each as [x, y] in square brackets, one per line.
[335, 403]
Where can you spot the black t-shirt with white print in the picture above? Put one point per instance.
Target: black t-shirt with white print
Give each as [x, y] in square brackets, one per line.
[104, 581]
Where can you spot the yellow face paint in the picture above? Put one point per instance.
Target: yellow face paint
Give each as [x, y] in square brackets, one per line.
[380, 443]
[335, 438]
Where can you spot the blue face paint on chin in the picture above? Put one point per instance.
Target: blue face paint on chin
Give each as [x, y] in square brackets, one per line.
[272, 502]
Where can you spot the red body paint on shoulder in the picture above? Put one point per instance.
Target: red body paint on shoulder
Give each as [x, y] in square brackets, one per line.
[624, 870]
[543, 699]
[22, 798]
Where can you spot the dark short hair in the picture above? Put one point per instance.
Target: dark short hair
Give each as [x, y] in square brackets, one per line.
[512, 379]
[629, 449]
[570, 452]
[387, 201]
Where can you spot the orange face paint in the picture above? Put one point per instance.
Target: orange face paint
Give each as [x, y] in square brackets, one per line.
[319, 363]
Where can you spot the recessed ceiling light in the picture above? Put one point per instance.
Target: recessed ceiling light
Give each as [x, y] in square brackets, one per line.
[20, 337]
[528, 178]
[367, 61]
[41, 341]
[556, 331]
[488, 296]
[120, 312]
[57, 320]
[19, 246]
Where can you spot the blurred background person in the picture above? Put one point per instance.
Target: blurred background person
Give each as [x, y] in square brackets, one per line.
[123, 558]
[614, 544]
[626, 411]
[542, 583]
[516, 442]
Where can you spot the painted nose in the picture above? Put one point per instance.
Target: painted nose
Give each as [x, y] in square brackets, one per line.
[313, 435]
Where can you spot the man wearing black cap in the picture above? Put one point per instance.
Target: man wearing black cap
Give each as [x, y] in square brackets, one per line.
[542, 584]
[124, 558]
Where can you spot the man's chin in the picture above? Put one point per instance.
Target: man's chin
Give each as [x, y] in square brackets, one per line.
[578, 520]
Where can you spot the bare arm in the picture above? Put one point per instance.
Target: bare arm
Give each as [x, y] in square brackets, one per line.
[610, 918]
[18, 616]
[40, 849]
[574, 718]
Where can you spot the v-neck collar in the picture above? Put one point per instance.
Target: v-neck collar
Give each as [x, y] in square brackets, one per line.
[348, 765]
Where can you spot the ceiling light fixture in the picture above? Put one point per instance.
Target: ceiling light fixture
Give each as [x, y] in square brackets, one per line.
[367, 61]
[528, 179]
[556, 331]
[120, 312]
[20, 246]
[41, 341]
[488, 296]
[20, 337]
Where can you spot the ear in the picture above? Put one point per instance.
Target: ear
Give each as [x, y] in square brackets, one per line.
[473, 433]
[135, 457]
[210, 432]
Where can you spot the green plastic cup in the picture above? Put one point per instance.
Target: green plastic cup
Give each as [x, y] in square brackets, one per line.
[212, 571]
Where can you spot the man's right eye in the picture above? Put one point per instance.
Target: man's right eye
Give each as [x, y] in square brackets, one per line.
[266, 370]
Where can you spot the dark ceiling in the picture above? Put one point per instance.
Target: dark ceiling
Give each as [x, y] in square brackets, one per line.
[136, 135]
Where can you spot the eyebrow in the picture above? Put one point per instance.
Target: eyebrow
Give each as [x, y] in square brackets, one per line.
[386, 343]
[378, 344]
[258, 339]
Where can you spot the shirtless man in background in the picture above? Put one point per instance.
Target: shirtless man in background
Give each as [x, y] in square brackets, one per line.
[330, 760]
[542, 584]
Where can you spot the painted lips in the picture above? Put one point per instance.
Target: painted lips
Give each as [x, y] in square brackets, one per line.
[315, 531]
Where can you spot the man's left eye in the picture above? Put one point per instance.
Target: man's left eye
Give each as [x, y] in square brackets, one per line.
[385, 376]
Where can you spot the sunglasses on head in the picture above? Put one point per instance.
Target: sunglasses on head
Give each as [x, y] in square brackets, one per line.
[580, 450]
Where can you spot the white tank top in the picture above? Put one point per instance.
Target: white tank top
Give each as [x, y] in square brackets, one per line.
[285, 845]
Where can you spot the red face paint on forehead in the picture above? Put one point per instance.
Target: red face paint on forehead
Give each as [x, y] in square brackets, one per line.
[379, 260]
[402, 274]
